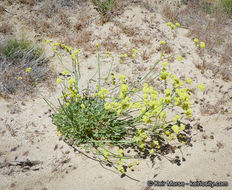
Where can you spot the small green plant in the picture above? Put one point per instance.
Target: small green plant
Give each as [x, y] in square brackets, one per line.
[23, 65]
[207, 7]
[227, 6]
[15, 48]
[120, 120]
[104, 6]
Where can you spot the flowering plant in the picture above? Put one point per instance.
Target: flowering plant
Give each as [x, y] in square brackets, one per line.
[121, 120]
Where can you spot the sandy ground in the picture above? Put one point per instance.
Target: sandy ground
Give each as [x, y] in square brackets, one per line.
[26, 131]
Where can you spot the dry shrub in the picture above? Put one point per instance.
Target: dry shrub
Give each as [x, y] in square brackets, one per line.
[83, 37]
[127, 30]
[170, 12]
[141, 40]
[109, 45]
[16, 56]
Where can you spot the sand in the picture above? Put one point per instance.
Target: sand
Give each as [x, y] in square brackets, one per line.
[26, 130]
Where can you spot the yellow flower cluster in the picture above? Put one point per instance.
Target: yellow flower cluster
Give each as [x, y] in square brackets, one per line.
[59, 80]
[71, 81]
[171, 25]
[182, 99]
[176, 81]
[163, 42]
[164, 74]
[134, 53]
[201, 87]
[74, 55]
[107, 54]
[140, 138]
[103, 93]
[202, 44]
[122, 78]
[177, 129]
[179, 58]
[28, 70]
[189, 80]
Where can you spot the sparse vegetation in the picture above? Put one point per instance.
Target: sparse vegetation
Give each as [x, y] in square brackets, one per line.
[22, 66]
[214, 30]
[227, 6]
[104, 6]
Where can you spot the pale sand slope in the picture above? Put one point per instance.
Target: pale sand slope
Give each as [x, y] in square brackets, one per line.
[26, 131]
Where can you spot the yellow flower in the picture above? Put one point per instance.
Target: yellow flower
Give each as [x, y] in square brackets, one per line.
[133, 55]
[146, 119]
[76, 51]
[178, 24]
[82, 106]
[134, 50]
[130, 165]
[97, 45]
[189, 113]
[167, 91]
[103, 93]
[162, 42]
[55, 44]
[196, 40]
[156, 143]
[122, 78]
[28, 69]
[68, 48]
[71, 80]
[65, 72]
[189, 80]
[201, 87]
[165, 64]
[20, 78]
[202, 44]
[59, 134]
[152, 151]
[167, 133]
[169, 24]
[124, 88]
[175, 119]
[172, 26]
[175, 128]
[162, 114]
[59, 80]
[182, 126]
[179, 58]
[73, 57]
[107, 54]
[48, 41]
[137, 162]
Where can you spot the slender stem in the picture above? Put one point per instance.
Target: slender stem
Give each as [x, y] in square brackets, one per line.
[99, 71]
